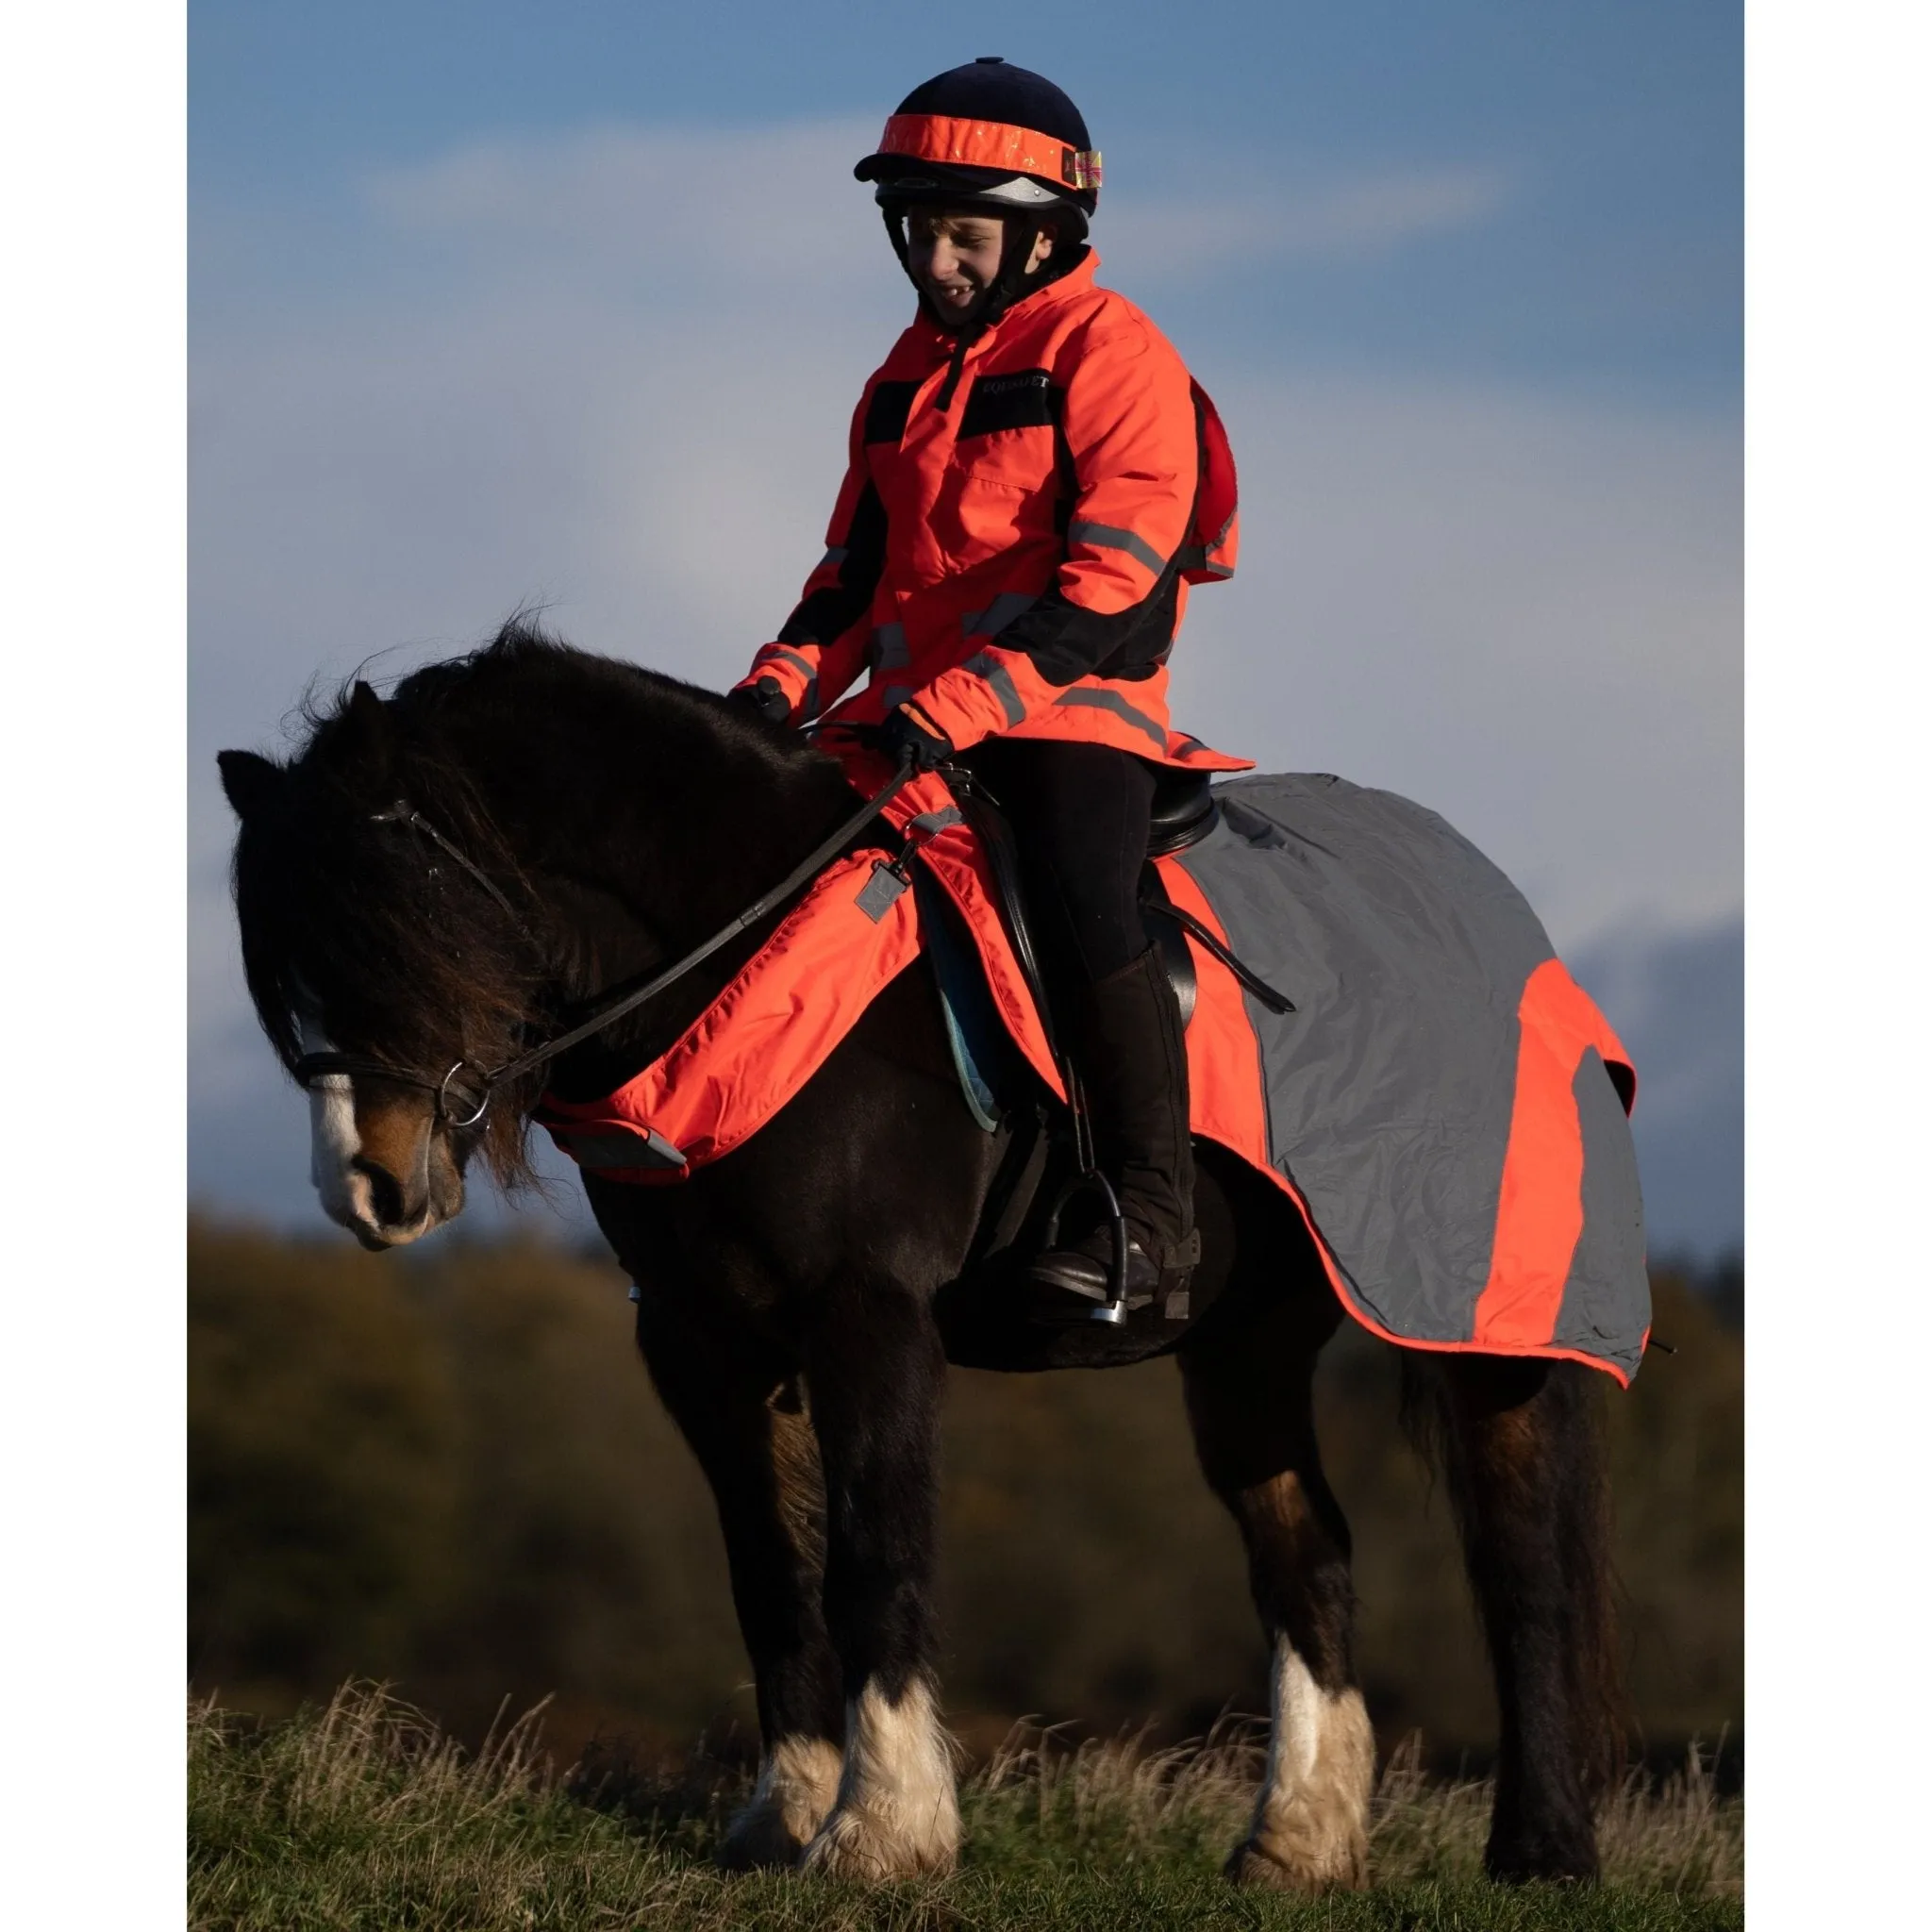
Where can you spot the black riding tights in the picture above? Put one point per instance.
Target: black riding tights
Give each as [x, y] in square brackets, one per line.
[1079, 814]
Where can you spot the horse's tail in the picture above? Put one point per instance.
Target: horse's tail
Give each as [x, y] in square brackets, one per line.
[1530, 1489]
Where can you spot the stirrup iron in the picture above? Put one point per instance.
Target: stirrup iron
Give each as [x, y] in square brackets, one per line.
[1113, 1311]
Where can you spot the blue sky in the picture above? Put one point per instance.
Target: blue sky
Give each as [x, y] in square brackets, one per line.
[1613, 131]
[492, 302]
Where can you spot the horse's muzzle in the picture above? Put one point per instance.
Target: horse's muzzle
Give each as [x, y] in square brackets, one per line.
[398, 1177]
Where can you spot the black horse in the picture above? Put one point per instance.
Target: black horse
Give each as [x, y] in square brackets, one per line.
[799, 1298]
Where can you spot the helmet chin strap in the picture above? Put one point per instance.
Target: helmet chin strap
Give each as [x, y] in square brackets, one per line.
[1012, 284]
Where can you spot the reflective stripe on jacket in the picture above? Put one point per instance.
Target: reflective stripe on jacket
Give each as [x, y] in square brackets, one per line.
[1018, 560]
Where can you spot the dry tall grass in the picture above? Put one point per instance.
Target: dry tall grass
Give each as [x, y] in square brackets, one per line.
[365, 1814]
[1677, 1835]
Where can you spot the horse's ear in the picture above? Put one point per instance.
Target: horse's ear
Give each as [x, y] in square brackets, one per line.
[367, 718]
[250, 781]
[368, 732]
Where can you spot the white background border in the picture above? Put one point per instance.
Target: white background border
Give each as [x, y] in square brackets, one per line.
[92, 780]
[93, 719]
[1838, 755]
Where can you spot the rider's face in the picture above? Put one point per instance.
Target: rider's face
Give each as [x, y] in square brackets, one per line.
[955, 258]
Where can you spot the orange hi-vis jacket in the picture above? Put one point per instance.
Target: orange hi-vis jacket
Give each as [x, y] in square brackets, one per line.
[1017, 526]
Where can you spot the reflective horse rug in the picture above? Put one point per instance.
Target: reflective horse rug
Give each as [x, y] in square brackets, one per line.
[1444, 1104]
[1446, 1100]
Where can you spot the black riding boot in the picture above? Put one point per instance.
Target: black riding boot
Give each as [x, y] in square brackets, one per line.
[1124, 1036]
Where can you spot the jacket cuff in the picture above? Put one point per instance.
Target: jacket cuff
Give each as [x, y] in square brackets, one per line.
[963, 723]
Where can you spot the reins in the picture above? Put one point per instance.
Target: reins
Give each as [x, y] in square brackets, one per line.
[401, 813]
[314, 1066]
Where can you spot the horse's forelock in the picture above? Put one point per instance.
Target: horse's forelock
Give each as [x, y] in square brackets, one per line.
[364, 917]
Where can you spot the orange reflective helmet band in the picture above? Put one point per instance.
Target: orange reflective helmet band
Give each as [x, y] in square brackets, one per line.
[991, 144]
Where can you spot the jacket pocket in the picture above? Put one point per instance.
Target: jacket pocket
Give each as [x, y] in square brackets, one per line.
[984, 507]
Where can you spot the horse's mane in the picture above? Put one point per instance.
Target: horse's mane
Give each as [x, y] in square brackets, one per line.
[368, 918]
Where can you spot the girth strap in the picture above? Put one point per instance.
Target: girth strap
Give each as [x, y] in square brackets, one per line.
[1195, 930]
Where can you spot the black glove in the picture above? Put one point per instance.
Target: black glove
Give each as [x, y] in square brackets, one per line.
[767, 697]
[901, 733]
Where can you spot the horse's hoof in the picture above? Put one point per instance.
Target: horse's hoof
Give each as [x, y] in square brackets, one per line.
[849, 1845]
[1542, 1864]
[758, 1839]
[1252, 1866]
[797, 1785]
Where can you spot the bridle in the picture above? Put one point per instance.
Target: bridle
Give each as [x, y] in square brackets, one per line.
[310, 1067]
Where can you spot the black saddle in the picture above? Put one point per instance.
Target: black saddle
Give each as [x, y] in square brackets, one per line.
[1184, 811]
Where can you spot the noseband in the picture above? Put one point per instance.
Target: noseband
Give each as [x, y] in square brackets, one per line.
[451, 1095]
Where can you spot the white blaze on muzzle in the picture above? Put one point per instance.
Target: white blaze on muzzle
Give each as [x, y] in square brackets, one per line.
[333, 1141]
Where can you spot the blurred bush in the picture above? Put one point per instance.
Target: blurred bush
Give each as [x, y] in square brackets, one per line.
[449, 1469]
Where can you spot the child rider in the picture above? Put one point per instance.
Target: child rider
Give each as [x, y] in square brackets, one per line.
[1010, 557]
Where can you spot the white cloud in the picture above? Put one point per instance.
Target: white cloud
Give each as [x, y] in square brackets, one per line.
[675, 206]
[1304, 222]
[563, 374]
[683, 210]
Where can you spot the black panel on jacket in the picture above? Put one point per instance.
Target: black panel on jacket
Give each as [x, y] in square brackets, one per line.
[886, 413]
[1020, 399]
[828, 613]
[1067, 643]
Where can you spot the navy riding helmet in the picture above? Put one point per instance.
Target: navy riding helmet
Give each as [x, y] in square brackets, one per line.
[988, 135]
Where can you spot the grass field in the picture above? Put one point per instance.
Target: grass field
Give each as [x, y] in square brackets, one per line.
[363, 1815]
